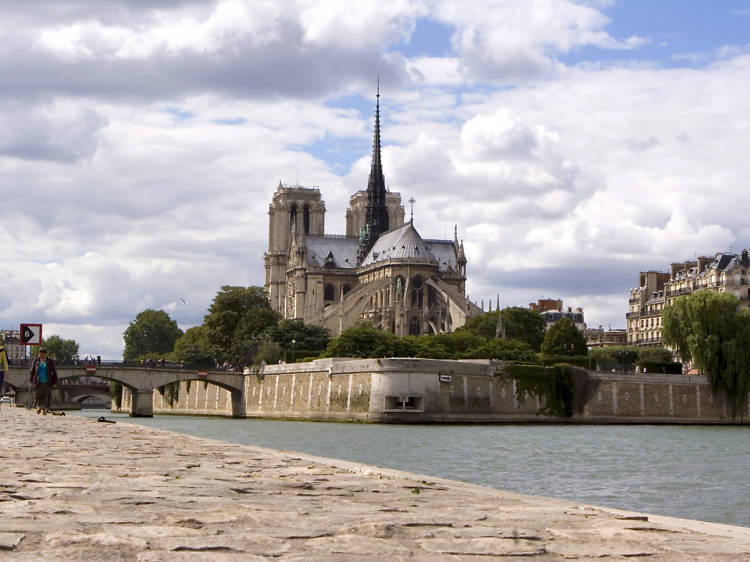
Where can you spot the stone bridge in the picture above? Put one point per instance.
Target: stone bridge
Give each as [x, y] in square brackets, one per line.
[141, 381]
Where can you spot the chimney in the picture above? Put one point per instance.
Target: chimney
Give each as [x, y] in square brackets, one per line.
[702, 262]
[744, 258]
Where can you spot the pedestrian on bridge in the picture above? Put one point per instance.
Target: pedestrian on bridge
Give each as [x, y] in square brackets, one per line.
[43, 377]
[3, 368]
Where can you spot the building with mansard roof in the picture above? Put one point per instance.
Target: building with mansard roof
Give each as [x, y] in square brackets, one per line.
[381, 271]
[724, 273]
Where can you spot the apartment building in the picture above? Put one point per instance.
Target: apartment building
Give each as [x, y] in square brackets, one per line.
[725, 272]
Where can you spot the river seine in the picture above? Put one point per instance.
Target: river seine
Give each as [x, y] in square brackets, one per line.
[696, 472]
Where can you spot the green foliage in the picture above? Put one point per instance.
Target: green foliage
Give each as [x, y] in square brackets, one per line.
[524, 325]
[60, 349]
[709, 330]
[654, 354]
[228, 310]
[583, 361]
[668, 367]
[484, 325]
[563, 338]
[363, 340]
[170, 392]
[269, 352]
[194, 349]
[506, 350]
[519, 323]
[554, 386]
[308, 338]
[152, 332]
[115, 391]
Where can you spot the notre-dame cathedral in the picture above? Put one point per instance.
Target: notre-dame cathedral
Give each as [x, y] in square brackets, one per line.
[382, 271]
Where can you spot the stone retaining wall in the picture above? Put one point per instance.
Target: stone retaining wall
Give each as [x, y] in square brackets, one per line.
[425, 390]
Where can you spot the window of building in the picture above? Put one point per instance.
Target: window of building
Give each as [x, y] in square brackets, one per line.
[328, 293]
[417, 292]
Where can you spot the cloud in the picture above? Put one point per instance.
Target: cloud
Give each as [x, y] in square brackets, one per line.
[142, 146]
[518, 41]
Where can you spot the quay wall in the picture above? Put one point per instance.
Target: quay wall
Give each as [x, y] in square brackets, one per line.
[428, 391]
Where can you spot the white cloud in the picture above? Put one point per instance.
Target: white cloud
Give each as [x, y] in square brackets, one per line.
[141, 147]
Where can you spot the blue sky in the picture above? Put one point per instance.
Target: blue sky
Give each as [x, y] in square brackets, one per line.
[572, 143]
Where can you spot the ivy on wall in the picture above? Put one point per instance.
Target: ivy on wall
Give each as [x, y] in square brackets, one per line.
[115, 391]
[171, 392]
[553, 385]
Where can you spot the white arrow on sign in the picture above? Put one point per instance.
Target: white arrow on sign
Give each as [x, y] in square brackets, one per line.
[31, 334]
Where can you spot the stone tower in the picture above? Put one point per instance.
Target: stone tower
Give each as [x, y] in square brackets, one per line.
[293, 209]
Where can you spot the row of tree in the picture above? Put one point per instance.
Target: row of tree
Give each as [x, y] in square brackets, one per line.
[240, 328]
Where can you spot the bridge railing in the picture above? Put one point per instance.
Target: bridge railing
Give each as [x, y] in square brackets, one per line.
[115, 364]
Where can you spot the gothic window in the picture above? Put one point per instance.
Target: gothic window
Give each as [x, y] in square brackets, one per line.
[292, 216]
[328, 293]
[306, 218]
[399, 288]
[347, 288]
[414, 326]
[417, 292]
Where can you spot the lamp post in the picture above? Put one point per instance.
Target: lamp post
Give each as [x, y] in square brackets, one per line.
[293, 342]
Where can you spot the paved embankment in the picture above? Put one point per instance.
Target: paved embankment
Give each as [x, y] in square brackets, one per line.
[75, 489]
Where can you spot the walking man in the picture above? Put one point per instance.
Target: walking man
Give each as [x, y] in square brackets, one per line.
[43, 377]
[3, 368]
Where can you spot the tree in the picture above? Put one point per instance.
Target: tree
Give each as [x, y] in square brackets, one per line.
[484, 325]
[60, 349]
[152, 331]
[521, 324]
[363, 340]
[563, 338]
[709, 330]
[228, 308]
[524, 325]
[194, 349]
[308, 338]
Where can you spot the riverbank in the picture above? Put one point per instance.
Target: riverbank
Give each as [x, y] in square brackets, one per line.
[73, 489]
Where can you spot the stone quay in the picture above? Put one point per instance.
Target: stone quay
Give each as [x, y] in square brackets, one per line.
[76, 489]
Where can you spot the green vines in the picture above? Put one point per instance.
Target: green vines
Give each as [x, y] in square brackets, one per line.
[554, 386]
[115, 391]
[171, 392]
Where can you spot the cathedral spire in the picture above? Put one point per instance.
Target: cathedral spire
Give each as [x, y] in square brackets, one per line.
[376, 219]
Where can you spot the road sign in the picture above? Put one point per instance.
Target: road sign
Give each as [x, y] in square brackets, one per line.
[31, 334]
[90, 370]
[202, 374]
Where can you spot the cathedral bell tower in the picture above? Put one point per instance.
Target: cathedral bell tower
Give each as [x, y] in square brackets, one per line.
[294, 209]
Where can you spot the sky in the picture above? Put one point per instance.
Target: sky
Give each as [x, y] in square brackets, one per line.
[571, 143]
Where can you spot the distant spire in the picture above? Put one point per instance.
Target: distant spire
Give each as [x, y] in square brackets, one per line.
[376, 218]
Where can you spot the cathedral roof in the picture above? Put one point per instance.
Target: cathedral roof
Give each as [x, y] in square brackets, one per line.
[403, 242]
[332, 250]
[445, 253]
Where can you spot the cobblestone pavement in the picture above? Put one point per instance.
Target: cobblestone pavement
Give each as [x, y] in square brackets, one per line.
[75, 489]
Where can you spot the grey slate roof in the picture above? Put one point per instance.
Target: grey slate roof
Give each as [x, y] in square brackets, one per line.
[342, 249]
[445, 254]
[403, 242]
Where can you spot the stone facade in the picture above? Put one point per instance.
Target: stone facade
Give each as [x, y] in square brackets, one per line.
[382, 271]
[428, 390]
[725, 272]
[12, 344]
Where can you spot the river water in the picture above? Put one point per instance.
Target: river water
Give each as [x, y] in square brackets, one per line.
[696, 472]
